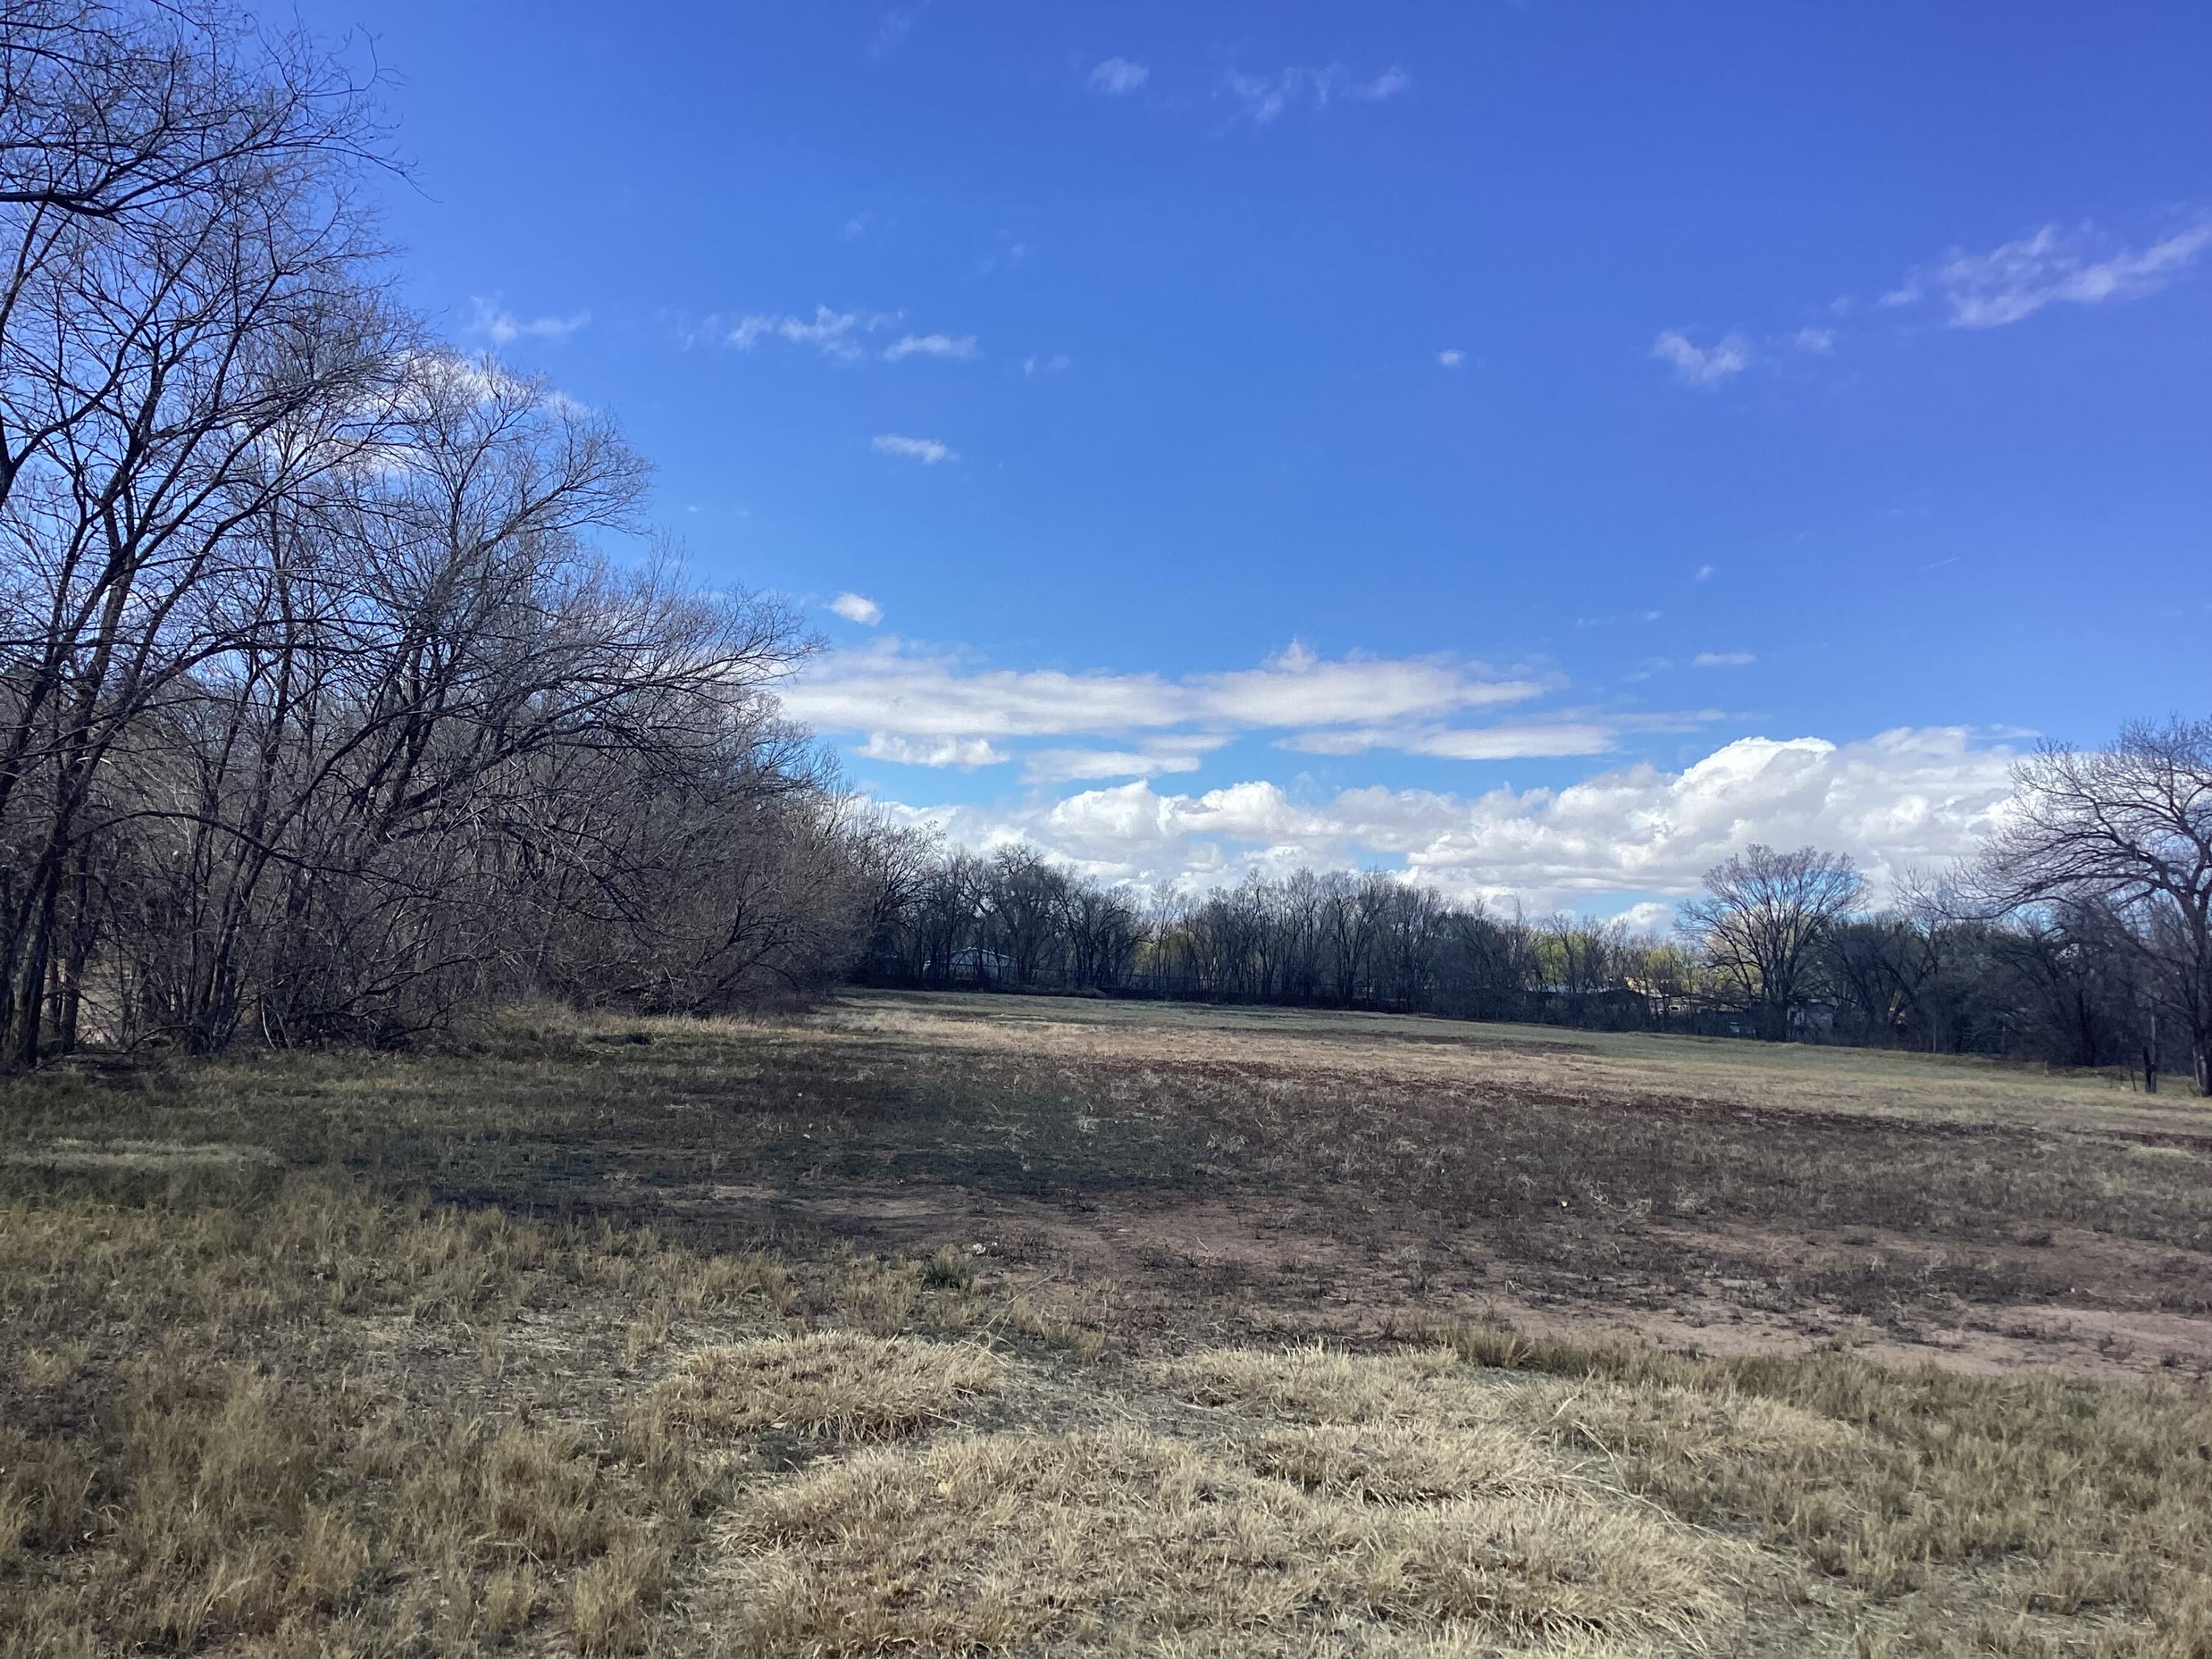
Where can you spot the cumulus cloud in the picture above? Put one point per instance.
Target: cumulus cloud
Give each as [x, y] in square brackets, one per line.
[930, 345]
[1907, 798]
[1722, 659]
[2052, 267]
[1702, 366]
[928, 451]
[1262, 98]
[1118, 77]
[1451, 357]
[857, 608]
[965, 753]
[496, 323]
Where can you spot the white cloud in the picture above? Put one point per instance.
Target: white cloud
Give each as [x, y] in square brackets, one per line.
[496, 323]
[1451, 357]
[1117, 77]
[892, 29]
[1526, 740]
[1179, 753]
[930, 345]
[1264, 97]
[928, 451]
[885, 687]
[964, 753]
[1051, 365]
[1722, 659]
[1707, 572]
[1904, 800]
[1818, 341]
[857, 608]
[2052, 267]
[833, 333]
[1698, 365]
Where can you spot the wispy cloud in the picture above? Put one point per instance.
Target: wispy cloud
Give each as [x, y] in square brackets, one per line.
[490, 320]
[833, 333]
[1117, 77]
[1707, 572]
[1262, 98]
[857, 608]
[2052, 267]
[889, 687]
[1722, 659]
[1452, 357]
[930, 345]
[893, 27]
[1702, 366]
[1052, 365]
[1521, 740]
[928, 451]
[1162, 754]
[964, 753]
[1818, 341]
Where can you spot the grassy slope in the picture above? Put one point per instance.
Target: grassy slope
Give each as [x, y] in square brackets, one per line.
[254, 1398]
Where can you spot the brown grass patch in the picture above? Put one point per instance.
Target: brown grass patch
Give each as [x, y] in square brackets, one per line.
[1312, 1385]
[1126, 1542]
[1401, 1464]
[834, 1385]
[1986, 1506]
[255, 1412]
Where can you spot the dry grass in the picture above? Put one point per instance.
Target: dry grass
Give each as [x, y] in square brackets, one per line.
[834, 1385]
[257, 1397]
[2026, 1516]
[1125, 1541]
[277, 1438]
[1592, 1067]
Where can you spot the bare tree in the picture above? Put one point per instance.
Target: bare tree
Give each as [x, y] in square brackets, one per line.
[2130, 828]
[110, 110]
[191, 331]
[1762, 918]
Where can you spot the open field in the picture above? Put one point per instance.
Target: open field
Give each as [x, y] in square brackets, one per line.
[954, 1325]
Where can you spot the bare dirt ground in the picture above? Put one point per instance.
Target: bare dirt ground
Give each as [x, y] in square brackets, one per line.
[1358, 1336]
[1260, 1174]
[1272, 1174]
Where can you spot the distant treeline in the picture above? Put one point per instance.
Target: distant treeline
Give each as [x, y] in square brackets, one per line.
[1017, 922]
[2077, 939]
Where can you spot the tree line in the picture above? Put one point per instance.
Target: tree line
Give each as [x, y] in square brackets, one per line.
[321, 715]
[2078, 936]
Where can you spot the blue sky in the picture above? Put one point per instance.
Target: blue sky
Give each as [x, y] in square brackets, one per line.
[1537, 446]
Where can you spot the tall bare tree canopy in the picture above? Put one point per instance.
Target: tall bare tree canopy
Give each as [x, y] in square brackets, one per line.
[2125, 830]
[321, 710]
[1763, 915]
